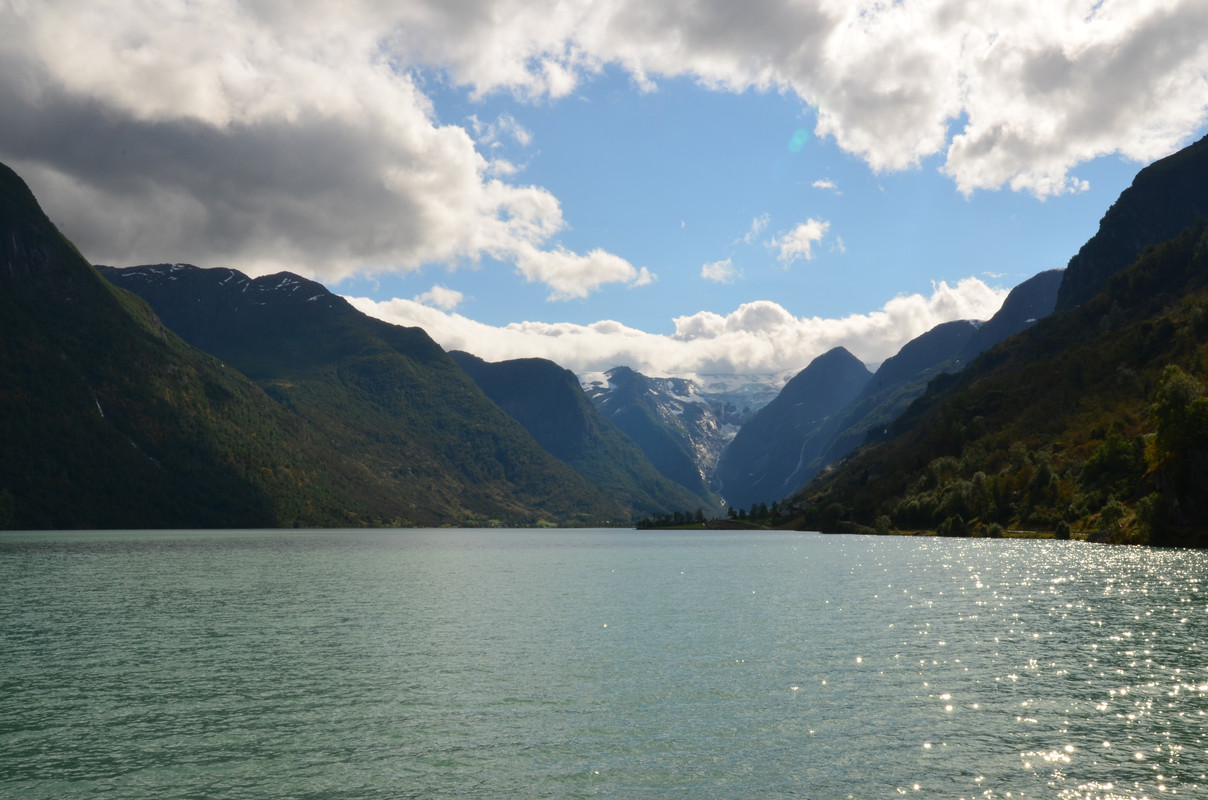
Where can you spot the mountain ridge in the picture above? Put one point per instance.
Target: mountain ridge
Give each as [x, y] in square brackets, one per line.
[1164, 199]
[680, 432]
[111, 420]
[1095, 420]
[386, 395]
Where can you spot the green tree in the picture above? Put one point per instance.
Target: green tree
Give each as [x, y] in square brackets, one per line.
[1113, 462]
[1112, 514]
[1180, 414]
[953, 526]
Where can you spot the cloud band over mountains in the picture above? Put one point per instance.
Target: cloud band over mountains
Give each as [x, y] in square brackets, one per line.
[758, 337]
[270, 135]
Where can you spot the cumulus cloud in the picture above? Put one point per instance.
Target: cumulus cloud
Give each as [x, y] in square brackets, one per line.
[719, 271]
[571, 275]
[269, 135]
[1033, 88]
[441, 297]
[797, 243]
[758, 337]
[826, 183]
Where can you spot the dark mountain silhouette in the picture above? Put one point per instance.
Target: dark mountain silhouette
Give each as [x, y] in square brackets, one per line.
[1095, 420]
[946, 348]
[897, 382]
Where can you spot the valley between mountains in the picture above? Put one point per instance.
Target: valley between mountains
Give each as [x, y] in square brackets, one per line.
[168, 395]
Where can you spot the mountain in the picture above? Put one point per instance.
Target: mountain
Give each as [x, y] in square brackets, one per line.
[946, 348]
[1164, 199]
[898, 381]
[1095, 419]
[549, 402]
[384, 396]
[735, 397]
[680, 431]
[768, 456]
[1032, 300]
[109, 420]
[795, 453]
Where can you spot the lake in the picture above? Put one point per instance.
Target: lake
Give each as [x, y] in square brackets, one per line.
[598, 663]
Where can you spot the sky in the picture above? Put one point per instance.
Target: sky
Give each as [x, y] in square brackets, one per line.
[686, 187]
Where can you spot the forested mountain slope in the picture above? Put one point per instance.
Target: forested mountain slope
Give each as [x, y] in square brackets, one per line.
[109, 420]
[384, 396]
[1164, 199]
[1095, 419]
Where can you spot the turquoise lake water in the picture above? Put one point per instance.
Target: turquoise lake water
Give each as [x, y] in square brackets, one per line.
[617, 664]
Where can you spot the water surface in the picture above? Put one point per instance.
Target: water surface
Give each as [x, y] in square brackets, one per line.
[565, 664]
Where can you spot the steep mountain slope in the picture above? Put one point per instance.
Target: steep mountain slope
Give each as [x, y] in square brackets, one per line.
[384, 396]
[1096, 418]
[768, 457]
[678, 430]
[549, 402]
[1032, 300]
[1164, 199]
[948, 347]
[896, 383]
[108, 420]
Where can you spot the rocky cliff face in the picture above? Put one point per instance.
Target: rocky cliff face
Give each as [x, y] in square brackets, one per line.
[680, 430]
[1164, 199]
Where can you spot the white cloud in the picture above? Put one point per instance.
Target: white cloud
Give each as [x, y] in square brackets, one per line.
[826, 183]
[759, 337]
[441, 297]
[797, 243]
[570, 275]
[757, 226]
[719, 271]
[492, 134]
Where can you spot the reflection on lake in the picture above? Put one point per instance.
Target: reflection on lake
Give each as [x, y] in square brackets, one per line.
[563, 664]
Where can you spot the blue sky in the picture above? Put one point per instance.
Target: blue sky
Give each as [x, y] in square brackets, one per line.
[676, 178]
[692, 187]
